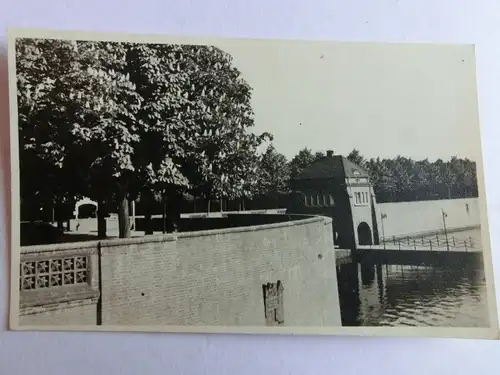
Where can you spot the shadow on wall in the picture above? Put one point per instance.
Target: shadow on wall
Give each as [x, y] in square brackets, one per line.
[231, 221]
[42, 233]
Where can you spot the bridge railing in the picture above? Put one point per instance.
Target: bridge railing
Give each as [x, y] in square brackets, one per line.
[437, 243]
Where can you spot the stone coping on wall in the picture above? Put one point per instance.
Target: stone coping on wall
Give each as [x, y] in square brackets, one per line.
[301, 220]
[86, 246]
[196, 215]
[91, 246]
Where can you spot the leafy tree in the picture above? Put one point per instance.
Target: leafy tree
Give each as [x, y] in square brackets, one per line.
[356, 158]
[76, 115]
[274, 173]
[196, 118]
[115, 121]
[225, 159]
[303, 159]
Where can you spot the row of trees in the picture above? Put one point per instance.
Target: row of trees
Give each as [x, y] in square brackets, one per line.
[118, 121]
[395, 180]
[404, 179]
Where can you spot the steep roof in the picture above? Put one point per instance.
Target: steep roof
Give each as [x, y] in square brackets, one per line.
[335, 166]
[353, 170]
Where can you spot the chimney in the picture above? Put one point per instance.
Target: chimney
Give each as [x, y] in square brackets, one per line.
[329, 153]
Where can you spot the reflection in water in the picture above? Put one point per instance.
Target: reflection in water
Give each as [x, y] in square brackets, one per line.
[395, 295]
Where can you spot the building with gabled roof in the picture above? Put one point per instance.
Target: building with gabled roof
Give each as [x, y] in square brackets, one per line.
[334, 186]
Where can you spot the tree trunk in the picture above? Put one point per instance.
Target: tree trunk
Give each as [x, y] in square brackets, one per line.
[148, 223]
[147, 200]
[60, 226]
[59, 217]
[68, 210]
[133, 223]
[164, 213]
[101, 220]
[173, 212]
[123, 218]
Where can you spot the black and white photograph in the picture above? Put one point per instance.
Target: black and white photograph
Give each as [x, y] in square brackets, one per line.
[247, 186]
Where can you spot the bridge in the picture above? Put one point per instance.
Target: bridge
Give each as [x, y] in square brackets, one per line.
[438, 249]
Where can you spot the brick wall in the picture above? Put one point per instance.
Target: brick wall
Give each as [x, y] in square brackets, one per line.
[216, 277]
[210, 278]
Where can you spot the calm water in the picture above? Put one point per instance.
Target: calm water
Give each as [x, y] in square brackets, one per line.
[403, 295]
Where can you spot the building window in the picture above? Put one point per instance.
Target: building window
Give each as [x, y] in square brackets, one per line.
[361, 198]
[273, 304]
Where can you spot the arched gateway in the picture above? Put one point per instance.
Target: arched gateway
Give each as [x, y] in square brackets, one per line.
[82, 202]
[364, 234]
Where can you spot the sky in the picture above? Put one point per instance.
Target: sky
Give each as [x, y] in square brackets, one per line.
[413, 100]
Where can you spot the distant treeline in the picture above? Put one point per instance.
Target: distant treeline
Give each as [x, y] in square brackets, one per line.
[399, 179]
[404, 179]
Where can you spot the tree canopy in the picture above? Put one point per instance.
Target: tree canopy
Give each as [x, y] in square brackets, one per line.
[304, 158]
[112, 120]
[274, 171]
